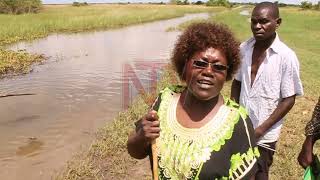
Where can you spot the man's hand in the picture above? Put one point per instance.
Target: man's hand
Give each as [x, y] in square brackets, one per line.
[258, 132]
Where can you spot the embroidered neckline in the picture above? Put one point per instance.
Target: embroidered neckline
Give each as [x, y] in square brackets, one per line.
[213, 124]
[182, 151]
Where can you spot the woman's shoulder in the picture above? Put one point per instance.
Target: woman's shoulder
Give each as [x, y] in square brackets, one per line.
[236, 107]
[173, 89]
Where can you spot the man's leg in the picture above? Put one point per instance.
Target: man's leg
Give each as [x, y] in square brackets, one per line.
[265, 160]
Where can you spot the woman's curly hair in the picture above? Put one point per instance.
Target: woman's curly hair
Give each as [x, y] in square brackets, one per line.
[200, 36]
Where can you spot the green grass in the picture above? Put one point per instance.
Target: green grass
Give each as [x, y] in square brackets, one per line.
[68, 19]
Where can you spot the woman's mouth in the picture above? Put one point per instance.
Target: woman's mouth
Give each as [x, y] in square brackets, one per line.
[205, 84]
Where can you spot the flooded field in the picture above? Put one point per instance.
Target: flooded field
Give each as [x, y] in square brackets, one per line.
[83, 85]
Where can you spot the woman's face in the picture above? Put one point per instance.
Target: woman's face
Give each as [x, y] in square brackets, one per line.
[206, 73]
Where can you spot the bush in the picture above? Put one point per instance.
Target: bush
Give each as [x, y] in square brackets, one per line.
[282, 5]
[317, 6]
[19, 6]
[199, 3]
[179, 2]
[224, 3]
[78, 4]
[306, 5]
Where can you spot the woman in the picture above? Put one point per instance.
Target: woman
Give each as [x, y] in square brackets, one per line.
[199, 133]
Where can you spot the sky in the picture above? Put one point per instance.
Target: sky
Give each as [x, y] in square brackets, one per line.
[146, 1]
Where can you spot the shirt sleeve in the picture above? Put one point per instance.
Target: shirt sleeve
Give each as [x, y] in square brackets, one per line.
[313, 126]
[238, 74]
[290, 81]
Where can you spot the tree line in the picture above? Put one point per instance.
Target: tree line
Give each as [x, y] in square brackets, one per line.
[20, 6]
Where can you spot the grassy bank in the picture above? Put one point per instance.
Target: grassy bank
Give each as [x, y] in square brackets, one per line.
[69, 19]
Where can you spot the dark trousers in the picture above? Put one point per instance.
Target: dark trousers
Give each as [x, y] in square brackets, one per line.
[264, 162]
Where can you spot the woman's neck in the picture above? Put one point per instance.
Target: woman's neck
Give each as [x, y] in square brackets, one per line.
[199, 109]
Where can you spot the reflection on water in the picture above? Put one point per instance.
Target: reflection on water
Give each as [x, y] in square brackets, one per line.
[83, 85]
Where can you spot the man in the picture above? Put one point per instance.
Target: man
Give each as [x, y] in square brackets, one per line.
[267, 82]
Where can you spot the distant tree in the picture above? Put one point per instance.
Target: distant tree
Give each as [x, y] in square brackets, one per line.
[306, 5]
[20, 6]
[186, 2]
[198, 3]
[78, 4]
[179, 2]
[282, 5]
[317, 6]
[224, 3]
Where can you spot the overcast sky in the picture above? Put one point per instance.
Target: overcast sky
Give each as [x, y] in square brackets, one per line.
[135, 1]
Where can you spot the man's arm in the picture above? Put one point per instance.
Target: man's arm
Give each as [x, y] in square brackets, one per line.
[282, 109]
[235, 90]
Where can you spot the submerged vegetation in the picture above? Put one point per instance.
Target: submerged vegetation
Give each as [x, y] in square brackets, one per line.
[17, 62]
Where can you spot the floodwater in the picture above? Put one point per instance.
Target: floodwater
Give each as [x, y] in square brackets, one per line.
[83, 85]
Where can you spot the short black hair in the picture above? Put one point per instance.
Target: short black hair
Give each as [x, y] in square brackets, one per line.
[270, 5]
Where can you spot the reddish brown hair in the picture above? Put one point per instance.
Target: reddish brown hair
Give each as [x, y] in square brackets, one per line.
[200, 36]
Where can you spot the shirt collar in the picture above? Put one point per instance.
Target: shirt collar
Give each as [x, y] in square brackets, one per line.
[275, 46]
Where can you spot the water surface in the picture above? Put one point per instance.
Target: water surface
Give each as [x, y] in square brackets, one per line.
[79, 88]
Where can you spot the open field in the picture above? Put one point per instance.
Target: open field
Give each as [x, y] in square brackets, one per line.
[300, 30]
[68, 19]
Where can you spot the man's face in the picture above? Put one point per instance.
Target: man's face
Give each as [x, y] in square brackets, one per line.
[263, 23]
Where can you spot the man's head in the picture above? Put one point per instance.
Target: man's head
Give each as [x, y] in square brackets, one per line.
[265, 20]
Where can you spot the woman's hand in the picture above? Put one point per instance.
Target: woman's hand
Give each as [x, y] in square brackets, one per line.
[139, 141]
[150, 127]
